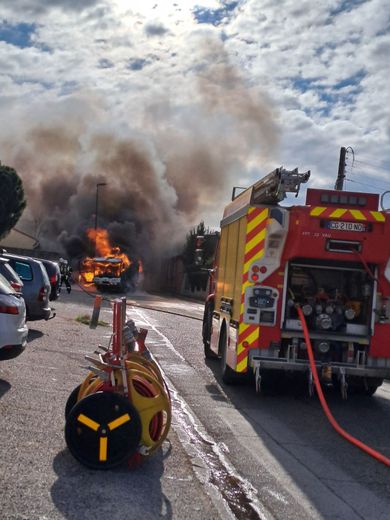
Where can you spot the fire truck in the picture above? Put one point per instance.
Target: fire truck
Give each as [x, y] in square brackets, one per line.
[331, 257]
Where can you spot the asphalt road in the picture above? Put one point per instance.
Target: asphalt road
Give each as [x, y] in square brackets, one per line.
[230, 452]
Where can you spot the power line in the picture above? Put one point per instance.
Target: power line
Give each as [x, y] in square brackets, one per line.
[365, 184]
[372, 165]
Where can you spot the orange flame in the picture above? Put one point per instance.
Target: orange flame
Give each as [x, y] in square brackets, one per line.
[91, 267]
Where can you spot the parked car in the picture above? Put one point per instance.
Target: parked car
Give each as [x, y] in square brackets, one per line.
[53, 272]
[13, 328]
[11, 276]
[36, 285]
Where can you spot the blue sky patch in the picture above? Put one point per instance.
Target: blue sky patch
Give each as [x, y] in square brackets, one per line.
[136, 64]
[352, 81]
[213, 16]
[346, 6]
[19, 34]
[104, 63]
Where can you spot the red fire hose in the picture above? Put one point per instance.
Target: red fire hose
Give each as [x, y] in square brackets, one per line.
[373, 453]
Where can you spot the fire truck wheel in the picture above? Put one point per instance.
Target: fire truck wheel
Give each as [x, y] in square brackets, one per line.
[229, 376]
[72, 400]
[369, 387]
[206, 330]
[102, 430]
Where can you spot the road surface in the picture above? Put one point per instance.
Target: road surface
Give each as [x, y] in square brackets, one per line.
[230, 452]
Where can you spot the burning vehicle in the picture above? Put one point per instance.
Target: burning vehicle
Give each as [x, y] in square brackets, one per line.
[110, 269]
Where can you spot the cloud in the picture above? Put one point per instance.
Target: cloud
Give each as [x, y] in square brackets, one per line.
[37, 7]
[155, 29]
[202, 96]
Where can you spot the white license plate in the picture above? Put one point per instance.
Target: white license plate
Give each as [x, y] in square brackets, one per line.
[339, 225]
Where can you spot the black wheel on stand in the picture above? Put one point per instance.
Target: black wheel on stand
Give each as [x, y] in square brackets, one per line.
[102, 430]
[72, 400]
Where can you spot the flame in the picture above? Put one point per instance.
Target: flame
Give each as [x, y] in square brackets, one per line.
[103, 246]
[105, 253]
[140, 267]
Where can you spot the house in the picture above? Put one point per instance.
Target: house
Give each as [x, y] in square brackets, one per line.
[20, 242]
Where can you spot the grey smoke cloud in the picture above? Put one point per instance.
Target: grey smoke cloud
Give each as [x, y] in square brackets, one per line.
[162, 177]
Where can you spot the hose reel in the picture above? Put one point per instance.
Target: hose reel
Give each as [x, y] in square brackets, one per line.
[122, 409]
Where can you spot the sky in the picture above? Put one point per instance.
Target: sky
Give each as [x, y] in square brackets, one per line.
[171, 104]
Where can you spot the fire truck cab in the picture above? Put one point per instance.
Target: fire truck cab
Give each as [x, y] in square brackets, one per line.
[330, 256]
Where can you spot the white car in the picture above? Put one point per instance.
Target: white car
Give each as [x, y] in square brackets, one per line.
[13, 328]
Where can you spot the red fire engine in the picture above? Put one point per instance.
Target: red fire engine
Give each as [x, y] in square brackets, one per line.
[330, 256]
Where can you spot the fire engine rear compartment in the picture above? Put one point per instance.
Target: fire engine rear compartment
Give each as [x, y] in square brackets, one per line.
[337, 299]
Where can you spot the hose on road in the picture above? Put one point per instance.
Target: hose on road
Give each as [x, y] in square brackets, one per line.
[137, 305]
[370, 451]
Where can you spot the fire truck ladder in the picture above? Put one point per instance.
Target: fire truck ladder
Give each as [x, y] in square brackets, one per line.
[273, 188]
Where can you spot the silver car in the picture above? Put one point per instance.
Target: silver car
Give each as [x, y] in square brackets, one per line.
[36, 285]
[13, 328]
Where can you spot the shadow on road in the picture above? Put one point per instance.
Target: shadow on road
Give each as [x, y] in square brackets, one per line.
[34, 334]
[295, 431]
[10, 353]
[80, 492]
[4, 387]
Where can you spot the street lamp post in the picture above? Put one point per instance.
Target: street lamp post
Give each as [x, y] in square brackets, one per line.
[97, 208]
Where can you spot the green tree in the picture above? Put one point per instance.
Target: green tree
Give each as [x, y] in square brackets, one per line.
[197, 265]
[12, 201]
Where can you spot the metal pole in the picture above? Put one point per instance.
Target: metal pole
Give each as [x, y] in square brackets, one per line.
[96, 214]
[97, 208]
[341, 173]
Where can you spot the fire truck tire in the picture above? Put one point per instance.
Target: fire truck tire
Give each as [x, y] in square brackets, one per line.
[206, 330]
[370, 387]
[229, 376]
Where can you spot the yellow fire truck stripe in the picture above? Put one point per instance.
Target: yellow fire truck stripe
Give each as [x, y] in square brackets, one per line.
[251, 244]
[118, 422]
[241, 367]
[242, 328]
[357, 214]
[378, 216]
[317, 211]
[252, 337]
[251, 250]
[103, 449]
[257, 220]
[338, 213]
[88, 422]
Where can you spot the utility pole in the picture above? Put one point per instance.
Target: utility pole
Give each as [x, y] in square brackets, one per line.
[341, 173]
[98, 185]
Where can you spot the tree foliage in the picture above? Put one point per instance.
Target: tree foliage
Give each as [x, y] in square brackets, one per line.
[12, 201]
[196, 269]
